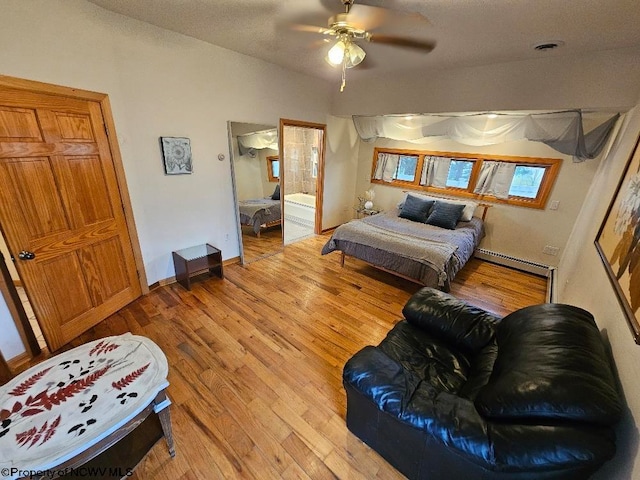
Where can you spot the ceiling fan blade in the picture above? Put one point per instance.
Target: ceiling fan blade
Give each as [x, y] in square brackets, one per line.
[423, 45]
[297, 27]
[368, 17]
[365, 17]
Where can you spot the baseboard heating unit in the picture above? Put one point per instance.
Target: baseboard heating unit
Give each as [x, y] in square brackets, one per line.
[520, 264]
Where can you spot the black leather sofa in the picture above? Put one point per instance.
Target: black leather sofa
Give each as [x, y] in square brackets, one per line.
[454, 392]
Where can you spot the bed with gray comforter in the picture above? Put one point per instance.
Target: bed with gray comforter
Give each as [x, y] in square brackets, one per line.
[427, 254]
[258, 212]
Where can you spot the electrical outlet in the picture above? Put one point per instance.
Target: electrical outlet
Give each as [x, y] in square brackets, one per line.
[226, 237]
[551, 250]
[554, 205]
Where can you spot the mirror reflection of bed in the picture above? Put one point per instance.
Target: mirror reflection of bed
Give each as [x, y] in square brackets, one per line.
[255, 168]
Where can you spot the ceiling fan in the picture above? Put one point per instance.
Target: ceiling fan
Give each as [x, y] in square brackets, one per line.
[356, 24]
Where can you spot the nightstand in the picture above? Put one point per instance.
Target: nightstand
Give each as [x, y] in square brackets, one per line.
[190, 261]
[366, 212]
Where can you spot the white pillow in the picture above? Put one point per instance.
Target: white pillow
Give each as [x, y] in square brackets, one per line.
[469, 205]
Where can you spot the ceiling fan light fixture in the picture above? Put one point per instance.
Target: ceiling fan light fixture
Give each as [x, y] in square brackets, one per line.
[354, 55]
[336, 54]
[346, 53]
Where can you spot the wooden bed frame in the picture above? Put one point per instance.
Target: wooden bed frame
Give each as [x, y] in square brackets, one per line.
[268, 225]
[413, 280]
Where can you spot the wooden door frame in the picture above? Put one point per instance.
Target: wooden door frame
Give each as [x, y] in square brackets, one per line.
[103, 100]
[285, 122]
[5, 371]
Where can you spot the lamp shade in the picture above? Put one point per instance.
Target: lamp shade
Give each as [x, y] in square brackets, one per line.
[345, 51]
[336, 53]
[353, 55]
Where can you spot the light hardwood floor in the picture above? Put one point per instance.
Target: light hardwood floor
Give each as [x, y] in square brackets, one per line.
[255, 248]
[255, 360]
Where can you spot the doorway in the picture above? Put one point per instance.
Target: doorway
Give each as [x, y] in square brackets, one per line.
[65, 212]
[302, 147]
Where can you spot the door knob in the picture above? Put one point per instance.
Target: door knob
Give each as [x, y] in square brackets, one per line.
[25, 255]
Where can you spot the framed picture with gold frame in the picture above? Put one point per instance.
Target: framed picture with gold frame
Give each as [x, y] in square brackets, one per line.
[618, 242]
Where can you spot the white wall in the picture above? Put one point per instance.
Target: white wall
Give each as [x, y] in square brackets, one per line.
[583, 282]
[607, 79]
[516, 231]
[10, 342]
[252, 180]
[341, 164]
[160, 84]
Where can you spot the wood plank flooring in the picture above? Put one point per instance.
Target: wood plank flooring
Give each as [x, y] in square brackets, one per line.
[255, 360]
[269, 242]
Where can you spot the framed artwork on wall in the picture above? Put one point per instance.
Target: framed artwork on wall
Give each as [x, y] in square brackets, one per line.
[176, 154]
[618, 242]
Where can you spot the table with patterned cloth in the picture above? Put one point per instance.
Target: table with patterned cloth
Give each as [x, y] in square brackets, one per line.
[65, 411]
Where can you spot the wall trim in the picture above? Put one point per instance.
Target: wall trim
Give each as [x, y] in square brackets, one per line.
[547, 271]
[552, 285]
[513, 262]
[15, 362]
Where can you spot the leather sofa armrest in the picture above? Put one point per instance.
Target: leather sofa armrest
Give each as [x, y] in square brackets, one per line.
[453, 320]
[551, 364]
[379, 378]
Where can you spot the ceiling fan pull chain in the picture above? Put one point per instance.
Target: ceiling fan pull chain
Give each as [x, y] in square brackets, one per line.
[344, 75]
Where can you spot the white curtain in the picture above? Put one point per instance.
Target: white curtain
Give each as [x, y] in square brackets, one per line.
[435, 171]
[495, 179]
[386, 166]
[562, 131]
[258, 141]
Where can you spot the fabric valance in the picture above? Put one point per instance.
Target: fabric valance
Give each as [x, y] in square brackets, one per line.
[247, 144]
[562, 131]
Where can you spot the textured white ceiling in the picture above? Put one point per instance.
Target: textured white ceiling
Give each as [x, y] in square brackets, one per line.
[467, 32]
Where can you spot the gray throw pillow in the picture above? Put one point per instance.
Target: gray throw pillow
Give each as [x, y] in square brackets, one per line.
[416, 209]
[276, 193]
[445, 215]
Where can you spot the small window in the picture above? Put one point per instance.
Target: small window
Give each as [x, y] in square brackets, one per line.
[273, 168]
[459, 174]
[407, 165]
[527, 181]
[521, 181]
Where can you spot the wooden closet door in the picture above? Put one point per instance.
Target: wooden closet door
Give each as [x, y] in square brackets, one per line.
[60, 204]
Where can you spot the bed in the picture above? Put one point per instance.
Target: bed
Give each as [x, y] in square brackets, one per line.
[425, 254]
[260, 213]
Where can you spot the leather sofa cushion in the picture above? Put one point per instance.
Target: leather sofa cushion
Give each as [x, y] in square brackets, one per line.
[403, 394]
[427, 358]
[467, 327]
[551, 363]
